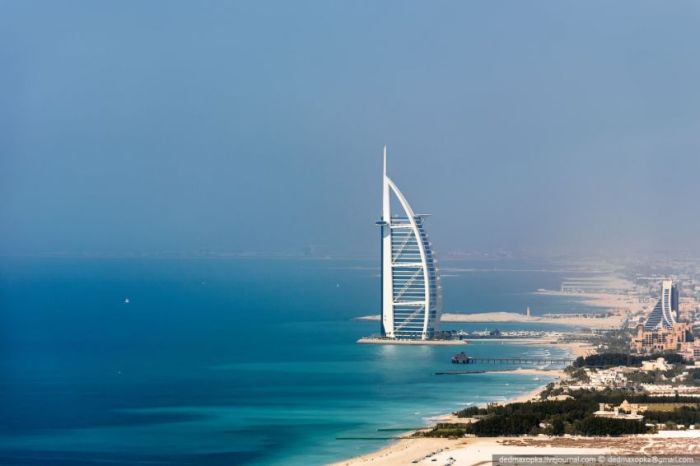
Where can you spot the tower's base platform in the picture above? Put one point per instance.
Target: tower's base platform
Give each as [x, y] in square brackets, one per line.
[395, 341]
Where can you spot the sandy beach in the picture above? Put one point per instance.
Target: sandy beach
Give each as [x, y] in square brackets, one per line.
[577, 348]
[606, 301]
[467, 451]
[470, 451]
[424, 450]
[479, 451]
[576, 320]
[620, 304]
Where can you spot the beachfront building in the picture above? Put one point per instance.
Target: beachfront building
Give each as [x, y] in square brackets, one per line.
[678, 339]
[671, 390]
[626, 410]
[659, 364]
[661, 331]
[666, 310]
[411, 291]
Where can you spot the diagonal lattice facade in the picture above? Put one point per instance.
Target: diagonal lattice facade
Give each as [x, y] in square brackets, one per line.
[411, 291]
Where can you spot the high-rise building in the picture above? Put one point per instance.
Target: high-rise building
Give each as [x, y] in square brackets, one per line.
[411, 291]
[663, 332]
[665, 311]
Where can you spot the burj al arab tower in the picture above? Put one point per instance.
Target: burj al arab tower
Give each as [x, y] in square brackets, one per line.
[411, 290]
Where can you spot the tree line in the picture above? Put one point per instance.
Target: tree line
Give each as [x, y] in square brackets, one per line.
[572, 416]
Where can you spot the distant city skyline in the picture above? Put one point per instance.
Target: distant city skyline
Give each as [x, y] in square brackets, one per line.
[544, 128]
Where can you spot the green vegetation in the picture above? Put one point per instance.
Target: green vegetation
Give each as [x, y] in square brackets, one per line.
[445, 430]
[514, 424]
[685, 415]
[669, 406]
[615, 341]
[600, 426]
[657, 376]
[572, 416]
[693, 377]
[617, 396]
[578, 374]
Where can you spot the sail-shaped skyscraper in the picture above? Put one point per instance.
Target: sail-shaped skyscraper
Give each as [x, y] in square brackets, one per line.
[411, 291]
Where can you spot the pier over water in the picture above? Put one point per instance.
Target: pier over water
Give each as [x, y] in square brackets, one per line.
[462, 358]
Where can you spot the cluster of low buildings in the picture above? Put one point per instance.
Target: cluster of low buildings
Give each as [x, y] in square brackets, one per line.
[625, 410]
[671, 390]
[600, 379]
[677, 338]
[621, 377]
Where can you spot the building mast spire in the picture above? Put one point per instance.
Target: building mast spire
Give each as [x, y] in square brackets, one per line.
[384, 159]
[386, 204]
[387, 325]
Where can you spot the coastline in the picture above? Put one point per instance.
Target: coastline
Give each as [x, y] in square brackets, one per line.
[468, 451]
[407, 450]
[477, 451]
[575, 320]
[387, 341]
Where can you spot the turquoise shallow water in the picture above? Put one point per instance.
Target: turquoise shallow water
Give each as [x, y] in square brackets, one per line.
[227, 361]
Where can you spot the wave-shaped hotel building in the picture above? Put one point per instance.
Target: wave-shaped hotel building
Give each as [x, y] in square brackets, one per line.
[666, 310]
[663, 331]
[411, 290]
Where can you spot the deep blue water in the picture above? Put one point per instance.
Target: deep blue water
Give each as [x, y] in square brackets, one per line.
[228, 361]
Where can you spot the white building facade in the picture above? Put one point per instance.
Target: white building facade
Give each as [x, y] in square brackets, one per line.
[411, 290]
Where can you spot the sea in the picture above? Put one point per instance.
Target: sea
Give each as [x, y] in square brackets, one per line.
[236, 361]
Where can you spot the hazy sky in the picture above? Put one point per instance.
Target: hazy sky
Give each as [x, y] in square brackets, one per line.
[231, 126]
